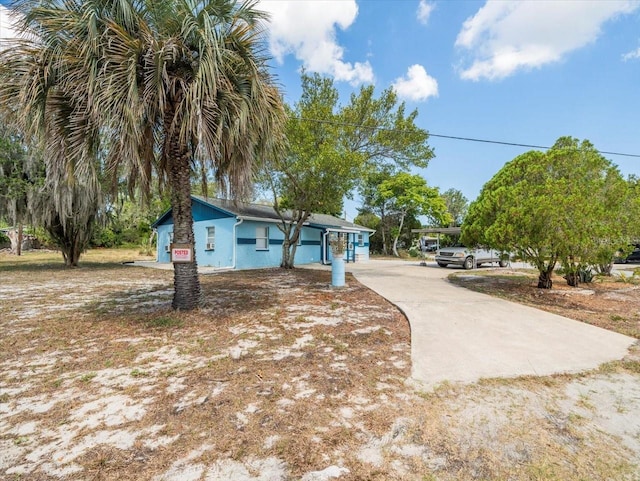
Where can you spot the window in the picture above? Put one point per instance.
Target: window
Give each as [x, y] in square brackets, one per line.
[262, 238]
[211, 238]
[167, 248]
[360, 240]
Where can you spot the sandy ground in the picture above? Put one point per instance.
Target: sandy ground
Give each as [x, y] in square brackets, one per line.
[277, 377]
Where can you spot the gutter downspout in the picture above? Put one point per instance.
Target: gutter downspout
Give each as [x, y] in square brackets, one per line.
[154, 233]
[324, 247]
[235, 241]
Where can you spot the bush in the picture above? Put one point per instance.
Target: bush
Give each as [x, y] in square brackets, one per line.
[105, 237]
[4, 240]
[581, 274]
[147, 248]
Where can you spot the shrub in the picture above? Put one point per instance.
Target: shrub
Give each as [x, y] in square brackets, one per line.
[4, 240]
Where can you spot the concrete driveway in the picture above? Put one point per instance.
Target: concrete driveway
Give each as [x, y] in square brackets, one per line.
[459, 335]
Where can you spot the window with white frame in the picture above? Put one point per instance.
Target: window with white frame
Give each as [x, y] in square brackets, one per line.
[167, 248]
[262, 238]
[360, 240]
[211, 238]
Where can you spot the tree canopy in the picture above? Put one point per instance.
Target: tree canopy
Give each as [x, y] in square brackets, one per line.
[396, 198]
[409, 195]
[566, 205]
[331, 148]
[169, 85]
[457, 206]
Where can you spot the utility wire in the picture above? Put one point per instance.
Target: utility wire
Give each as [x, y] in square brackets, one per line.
[452, 137]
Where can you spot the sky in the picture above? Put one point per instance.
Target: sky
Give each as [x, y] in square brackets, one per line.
[519, 72]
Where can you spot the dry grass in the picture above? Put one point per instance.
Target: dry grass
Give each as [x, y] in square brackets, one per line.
[609, 302]
[277, 377]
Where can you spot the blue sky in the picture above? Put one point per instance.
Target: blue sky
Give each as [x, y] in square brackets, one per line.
[523, 72]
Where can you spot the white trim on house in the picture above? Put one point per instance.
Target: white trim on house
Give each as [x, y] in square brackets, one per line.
[259, 219]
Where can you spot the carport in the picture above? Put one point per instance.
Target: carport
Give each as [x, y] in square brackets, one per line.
[438, 231]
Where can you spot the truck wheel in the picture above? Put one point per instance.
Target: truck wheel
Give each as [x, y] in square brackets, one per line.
[503, 263]
[468, 263]
[443, 264]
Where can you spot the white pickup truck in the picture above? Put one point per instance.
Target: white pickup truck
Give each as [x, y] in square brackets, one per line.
[469, 258]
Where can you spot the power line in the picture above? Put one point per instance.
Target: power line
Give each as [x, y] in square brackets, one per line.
[469, 139]
[451, 137]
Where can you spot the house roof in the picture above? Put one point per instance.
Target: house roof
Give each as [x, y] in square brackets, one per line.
[268, 213]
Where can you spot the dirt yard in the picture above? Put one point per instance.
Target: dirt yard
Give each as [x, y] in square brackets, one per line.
[277, 377]
[609, 302]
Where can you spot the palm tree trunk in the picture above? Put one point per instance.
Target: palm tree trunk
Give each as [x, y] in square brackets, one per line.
[185, 278]
[544, 278]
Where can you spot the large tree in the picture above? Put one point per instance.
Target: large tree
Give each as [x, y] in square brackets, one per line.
[333, 147]
[17, 178]
[171, 85]
[560, 206]
[457, 206]
[401, 196]
[315, 171]
[30, 194]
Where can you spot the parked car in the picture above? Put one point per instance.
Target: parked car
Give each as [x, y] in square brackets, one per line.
[634, 256]
[466, 257]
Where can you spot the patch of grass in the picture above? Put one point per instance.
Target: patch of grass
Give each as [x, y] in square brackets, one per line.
[164, 322]
[633, 366]
[585, 402]
[610, 367]
[87, 377]
[626, 278]
[607, 305]
[138, 373]
[21, 440]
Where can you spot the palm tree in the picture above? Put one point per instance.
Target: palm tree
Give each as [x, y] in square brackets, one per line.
[172, 85]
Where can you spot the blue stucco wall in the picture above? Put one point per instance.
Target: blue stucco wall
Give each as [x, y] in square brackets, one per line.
[249, 257]
[199, 211]
[203, 216]
[220, 256]
[362, 252]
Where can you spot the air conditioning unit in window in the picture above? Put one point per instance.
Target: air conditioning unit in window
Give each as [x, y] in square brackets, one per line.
[210, 247]
[167, 248]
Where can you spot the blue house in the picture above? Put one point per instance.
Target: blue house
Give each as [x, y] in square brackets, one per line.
[246, 236]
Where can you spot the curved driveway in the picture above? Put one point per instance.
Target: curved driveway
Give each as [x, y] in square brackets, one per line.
[459, 335]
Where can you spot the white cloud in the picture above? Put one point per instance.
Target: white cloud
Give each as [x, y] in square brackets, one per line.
[634, 54]
[504, 37]
[417, 85]
[424, 11]
[6, 25]
[308, 31]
